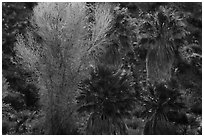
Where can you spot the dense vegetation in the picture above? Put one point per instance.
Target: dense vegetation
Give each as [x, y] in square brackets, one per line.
[102, 68]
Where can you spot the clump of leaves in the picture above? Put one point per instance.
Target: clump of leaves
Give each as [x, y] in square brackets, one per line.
[16, 121]
[109, 96]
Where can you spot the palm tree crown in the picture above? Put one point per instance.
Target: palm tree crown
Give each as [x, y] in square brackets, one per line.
[109, 95]
[162, 101]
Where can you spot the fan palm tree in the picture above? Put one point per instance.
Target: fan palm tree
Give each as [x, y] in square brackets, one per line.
[162, 100]
[109, 96]
[162, 32]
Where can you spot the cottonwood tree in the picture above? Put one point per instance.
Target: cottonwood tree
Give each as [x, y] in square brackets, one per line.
[58, 48]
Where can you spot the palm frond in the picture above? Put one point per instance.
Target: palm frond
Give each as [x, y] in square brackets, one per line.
[87, 108]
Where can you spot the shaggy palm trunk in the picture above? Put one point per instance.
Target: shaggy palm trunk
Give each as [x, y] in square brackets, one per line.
[159, 62]
[101, 124]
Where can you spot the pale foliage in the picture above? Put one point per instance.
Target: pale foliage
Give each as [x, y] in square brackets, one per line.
[27, 52]
[62, 58]
[103, 23]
